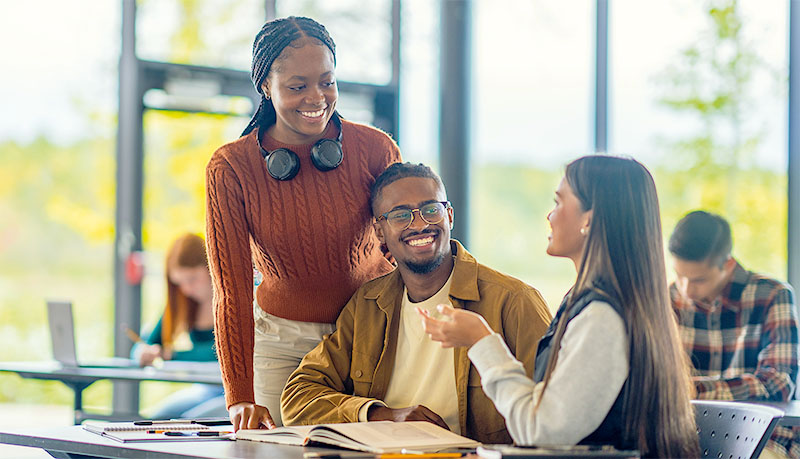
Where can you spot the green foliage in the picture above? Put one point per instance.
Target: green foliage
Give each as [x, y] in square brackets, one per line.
[712, 82]
[206, 32]
[177, 149]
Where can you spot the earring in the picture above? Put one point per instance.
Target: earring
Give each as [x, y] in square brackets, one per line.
[583, 231]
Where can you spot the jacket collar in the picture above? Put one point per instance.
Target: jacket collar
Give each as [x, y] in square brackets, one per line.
[387, 290]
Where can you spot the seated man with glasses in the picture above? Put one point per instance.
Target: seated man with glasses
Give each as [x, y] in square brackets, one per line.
[379, 364]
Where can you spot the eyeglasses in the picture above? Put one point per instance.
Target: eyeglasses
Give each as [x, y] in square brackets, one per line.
[431, 213]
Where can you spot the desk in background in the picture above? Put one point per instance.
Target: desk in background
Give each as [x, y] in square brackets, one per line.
[791, 411]
[79, 378]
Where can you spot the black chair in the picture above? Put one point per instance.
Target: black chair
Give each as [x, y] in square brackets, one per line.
[734, 430]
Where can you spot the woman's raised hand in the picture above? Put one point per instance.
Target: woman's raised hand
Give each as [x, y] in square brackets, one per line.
[458, 327]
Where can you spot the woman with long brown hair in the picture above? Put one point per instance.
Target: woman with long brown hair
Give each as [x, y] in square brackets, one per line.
[610, 370]
[188, 312]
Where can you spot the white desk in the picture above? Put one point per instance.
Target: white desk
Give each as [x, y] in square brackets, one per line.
[75, 442]
[80, 378]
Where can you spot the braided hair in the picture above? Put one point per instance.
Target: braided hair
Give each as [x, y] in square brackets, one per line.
[270, 42]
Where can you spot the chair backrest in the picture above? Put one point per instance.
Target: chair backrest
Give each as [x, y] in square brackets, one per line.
[734, 430]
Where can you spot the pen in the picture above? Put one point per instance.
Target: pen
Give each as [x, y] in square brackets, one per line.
[212, 433]
[132, 335]
[221, 421]
[202, 433]
[162, 421]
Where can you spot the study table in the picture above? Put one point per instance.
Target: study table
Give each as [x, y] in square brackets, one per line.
[79, 378]
[74, 442]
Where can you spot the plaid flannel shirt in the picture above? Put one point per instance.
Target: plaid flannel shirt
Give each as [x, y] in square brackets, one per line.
[744, 345]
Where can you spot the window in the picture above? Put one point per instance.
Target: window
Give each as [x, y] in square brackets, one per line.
[533, 92]
[57, 142]
[361, 30]
[700, 97]
[212, 33]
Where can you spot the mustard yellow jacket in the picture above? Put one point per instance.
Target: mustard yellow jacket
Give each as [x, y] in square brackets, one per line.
[353, 365]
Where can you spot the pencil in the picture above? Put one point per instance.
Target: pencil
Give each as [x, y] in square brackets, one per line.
[132, 335]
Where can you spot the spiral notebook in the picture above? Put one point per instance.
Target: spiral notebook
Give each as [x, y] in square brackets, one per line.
[130, 432]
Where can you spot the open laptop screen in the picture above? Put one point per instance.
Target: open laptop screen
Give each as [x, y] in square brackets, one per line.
[62, 336]
[62, 332]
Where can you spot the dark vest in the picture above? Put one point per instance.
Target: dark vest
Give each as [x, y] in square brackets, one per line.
[610, 430]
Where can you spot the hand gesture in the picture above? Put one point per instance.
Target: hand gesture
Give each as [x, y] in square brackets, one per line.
[458, 328]
[246, 415]
[412, 413]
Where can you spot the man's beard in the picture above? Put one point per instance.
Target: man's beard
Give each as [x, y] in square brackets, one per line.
[426, 267]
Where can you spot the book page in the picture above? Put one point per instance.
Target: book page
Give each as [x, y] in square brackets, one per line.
[388, 436]
[293, 435]
[375, 437]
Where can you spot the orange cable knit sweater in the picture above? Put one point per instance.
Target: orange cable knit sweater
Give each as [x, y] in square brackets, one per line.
[311, 237]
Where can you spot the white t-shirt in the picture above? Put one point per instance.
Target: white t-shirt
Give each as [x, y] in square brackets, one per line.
[424, 372]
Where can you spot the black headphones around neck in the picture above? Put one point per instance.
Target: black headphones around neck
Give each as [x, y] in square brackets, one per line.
[326, 154]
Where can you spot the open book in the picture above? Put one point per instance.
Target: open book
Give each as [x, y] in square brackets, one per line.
[130, 432]
[374, 437]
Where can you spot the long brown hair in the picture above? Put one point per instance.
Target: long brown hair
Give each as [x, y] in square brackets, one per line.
[187, 251]
[624, 253]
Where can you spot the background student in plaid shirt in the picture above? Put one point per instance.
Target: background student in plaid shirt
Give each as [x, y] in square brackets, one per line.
[739, 327]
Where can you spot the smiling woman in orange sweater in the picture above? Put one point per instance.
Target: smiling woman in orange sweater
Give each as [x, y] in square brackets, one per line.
[290, 197]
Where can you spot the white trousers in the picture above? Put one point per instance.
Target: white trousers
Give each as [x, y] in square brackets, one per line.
[279, 346]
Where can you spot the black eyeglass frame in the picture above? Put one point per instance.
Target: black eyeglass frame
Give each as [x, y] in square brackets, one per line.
[446, 204]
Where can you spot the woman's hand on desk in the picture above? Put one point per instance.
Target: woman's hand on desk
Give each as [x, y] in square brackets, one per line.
[458, 327]
[412, 413]
[246, 415]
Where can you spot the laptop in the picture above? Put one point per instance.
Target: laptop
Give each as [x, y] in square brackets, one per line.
[62, 337]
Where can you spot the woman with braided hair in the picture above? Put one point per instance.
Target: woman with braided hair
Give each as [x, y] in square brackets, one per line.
[289, 197]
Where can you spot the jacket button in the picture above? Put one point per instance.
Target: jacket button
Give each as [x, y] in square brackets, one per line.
[358, 373]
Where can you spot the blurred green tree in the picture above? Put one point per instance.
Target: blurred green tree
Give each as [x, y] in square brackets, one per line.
[712, 82]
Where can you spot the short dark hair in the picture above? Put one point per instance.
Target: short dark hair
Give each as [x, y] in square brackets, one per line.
[396, 172]
[702, 236]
